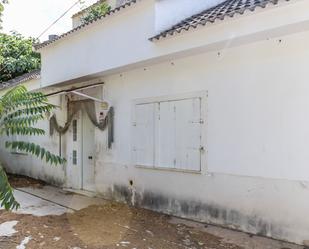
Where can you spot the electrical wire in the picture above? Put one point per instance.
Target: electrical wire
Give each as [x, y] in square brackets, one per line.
[52, 24]
[48, 28]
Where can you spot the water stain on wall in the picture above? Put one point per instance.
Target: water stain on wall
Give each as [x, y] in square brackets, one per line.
[197, 210]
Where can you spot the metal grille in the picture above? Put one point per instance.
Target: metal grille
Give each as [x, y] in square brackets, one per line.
[74, 130]
[74, 157]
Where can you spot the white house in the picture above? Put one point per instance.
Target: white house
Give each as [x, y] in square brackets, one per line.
[211, 111]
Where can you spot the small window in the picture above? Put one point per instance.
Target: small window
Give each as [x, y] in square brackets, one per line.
[74, 157]
[168, 133]
[74, 130]
[15, 138]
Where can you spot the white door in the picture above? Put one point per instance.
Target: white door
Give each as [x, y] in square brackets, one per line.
[74, 145]
[88, 154]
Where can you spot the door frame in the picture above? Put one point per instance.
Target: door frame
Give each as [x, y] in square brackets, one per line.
[84, 115]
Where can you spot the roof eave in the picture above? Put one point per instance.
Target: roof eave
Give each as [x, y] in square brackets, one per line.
[82, 26]
[181, 27]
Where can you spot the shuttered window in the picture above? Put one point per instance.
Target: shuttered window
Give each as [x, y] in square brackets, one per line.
[167, 134]
[144, 134]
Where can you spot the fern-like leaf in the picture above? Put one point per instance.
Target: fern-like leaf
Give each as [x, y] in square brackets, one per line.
[36, 150]
[16, 130]
[7, 198]
[20, 111]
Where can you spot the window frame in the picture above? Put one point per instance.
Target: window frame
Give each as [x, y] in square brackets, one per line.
[203, 95]
[16, 151]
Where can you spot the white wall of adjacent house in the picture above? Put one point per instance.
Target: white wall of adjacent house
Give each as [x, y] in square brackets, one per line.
[76, 18]
[171, 12]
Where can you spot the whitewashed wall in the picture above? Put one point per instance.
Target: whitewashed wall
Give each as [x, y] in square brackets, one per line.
[256, 175]
[257, 95]
[101, 50]
[20, 163]
[171, 12]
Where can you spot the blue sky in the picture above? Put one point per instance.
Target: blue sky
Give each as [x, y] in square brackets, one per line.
[31, 17]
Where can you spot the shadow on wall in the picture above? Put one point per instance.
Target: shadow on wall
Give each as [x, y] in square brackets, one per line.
[22, 170]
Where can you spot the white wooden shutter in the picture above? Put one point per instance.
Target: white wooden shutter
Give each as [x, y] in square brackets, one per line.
[188, 134]
[178, 136]
[166, 136]
[143, 147]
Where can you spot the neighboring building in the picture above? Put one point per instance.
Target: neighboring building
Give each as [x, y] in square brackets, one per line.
[76, 18]
[211, 117]
[30, 80]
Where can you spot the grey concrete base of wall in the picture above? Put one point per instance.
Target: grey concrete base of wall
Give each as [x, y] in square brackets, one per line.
[209, 213]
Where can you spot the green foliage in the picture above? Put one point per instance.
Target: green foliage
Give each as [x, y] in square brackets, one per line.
[17, 56]
[95, 11]
[6, 192]
[20, 111]
[2, 2]
[1, 10]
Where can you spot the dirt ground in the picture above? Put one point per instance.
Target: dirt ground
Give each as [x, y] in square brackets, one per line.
[109, 226]
[17, 181]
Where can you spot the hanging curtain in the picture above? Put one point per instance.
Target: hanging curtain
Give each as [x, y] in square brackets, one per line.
[89, 107]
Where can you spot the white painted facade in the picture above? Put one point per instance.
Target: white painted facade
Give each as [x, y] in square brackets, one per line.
[171, 12]
[250, 74]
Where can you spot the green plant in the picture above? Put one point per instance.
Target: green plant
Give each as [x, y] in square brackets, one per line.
[20, 111]
[17, 56]
[94, 12]
[2, 2]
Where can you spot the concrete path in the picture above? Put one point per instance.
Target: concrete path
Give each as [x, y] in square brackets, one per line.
[52, 201]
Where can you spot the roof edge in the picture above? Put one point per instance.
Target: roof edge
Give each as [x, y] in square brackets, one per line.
[87, 8]
[82, 26]
[35, 74]
[185, 24]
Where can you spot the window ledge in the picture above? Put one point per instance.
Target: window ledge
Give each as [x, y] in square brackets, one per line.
[169, 169]
[19, 153]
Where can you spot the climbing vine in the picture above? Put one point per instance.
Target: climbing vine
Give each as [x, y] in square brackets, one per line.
[95, 12]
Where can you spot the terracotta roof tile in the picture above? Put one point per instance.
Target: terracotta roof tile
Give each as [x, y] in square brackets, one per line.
[36, 74]
[89, 7]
